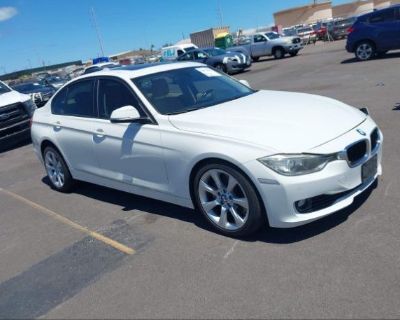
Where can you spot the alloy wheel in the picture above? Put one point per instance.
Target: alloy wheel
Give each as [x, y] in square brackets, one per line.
[364, 51]
[223, 200]
[54, 169]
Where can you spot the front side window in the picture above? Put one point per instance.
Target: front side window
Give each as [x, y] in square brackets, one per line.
[113, 95]
[186, 57]
[188, 89]
[259, 38]
[200, 55]
[75, 100]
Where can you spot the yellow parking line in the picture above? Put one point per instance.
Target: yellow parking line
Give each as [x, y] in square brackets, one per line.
[58, 217]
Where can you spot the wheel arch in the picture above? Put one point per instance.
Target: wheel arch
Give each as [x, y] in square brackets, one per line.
[364, 40]
[48, 143]
[219, 160]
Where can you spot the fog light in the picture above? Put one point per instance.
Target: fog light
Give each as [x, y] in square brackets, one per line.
[303, 206]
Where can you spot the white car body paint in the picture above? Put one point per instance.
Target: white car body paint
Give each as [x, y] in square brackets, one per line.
[156, 161]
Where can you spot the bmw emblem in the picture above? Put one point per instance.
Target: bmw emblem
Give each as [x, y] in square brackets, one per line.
[361, 132]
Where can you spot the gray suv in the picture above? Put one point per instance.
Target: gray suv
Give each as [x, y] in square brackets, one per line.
[226, 61]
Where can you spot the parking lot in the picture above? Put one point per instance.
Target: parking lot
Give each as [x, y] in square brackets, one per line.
[100, 253]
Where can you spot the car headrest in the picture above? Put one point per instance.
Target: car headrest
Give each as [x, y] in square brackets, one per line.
[159, 88]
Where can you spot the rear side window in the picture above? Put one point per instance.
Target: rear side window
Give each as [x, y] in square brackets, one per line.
[75, 100]
[113, 95]
[383, 16]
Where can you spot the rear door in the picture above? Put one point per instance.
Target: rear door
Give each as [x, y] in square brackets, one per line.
[73, 110]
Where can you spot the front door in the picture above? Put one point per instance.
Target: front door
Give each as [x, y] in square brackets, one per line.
[129, 153]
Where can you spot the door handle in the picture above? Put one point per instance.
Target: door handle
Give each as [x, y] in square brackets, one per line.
[100, 132]
[57, 125]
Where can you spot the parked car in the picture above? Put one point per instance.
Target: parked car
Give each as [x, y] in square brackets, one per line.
[16, 110]
[269, 44]
[321, 30]
[101, 66]
[171, 53]
[375, 33]
[228, 62]
[187, 134]
[307, 35]
[339, 28]
[39, 92]
[55, 82]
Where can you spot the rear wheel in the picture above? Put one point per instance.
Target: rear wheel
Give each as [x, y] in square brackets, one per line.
[365, 51]
[227, 200]
[279, 53]
[57, 170]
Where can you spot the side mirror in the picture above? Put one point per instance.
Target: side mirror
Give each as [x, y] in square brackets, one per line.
[245, 82]
[127, 114]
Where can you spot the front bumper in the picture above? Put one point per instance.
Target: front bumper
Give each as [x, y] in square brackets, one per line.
[294, 47]
[280, 193]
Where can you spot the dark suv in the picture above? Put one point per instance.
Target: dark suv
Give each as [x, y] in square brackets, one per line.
[375, 33]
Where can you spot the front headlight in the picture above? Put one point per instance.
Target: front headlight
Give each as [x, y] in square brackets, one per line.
[298, 164]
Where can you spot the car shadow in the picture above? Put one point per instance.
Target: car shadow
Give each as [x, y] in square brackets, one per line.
[130, 202]
[396, 107]
[17, 145]
[391, 55]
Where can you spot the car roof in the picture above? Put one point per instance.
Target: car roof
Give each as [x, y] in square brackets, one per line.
[134, 71]
[379, 10]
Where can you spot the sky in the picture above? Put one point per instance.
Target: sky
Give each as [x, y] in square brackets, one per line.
[33, 32]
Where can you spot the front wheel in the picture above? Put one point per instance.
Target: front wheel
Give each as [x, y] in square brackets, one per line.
[221, 67]
[279, 53]
[294, 53]
[57, 170]
[227, 200]
[365, 51]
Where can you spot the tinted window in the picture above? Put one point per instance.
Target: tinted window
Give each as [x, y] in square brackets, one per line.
[215, 52]
[186, 57]
[113, 95]
[259, 38]
[75, 100]
[382, 16]
[200, 55]
[188, 89]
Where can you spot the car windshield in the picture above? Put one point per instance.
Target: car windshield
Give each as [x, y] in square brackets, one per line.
[215, 52]
[25, 87]
[188, 89]
[272, 35]
[3, 88]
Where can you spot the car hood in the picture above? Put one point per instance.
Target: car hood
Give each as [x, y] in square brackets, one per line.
[284, 121]
[283, 39]
[12, 97]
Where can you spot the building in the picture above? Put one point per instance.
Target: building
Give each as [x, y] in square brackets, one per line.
[304, 15]
[354, 8]
[324, 10]
[206, 38]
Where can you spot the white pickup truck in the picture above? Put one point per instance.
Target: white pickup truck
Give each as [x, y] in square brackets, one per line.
[269, 44]
[16, 110]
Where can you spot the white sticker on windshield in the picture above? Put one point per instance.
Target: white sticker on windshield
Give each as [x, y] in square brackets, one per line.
[209, 72]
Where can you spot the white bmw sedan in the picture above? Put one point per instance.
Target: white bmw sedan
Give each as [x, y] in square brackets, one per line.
[187, 134]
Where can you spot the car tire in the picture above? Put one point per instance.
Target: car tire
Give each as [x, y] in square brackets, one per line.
[57, 170]
[228, 200]
[279, 53]
[365, 50]
[220, 67]
[294, 53]
[255, 59]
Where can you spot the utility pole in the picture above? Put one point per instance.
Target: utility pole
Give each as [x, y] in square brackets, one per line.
[220, 15]
[97, 30]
